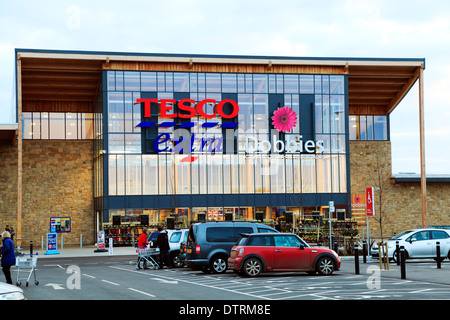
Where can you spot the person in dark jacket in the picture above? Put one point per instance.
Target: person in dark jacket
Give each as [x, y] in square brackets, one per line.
[163, 244]
[8, 255]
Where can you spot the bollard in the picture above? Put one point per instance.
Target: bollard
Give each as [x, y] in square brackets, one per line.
[364, 251]
[42, 242]
[402, 262]
[438, 254]
[397, 252]
[356, 259]
[335, 246]
[62, 241]
[81, 240]
[31, 247]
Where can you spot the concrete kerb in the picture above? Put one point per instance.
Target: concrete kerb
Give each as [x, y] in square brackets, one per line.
[86, 251]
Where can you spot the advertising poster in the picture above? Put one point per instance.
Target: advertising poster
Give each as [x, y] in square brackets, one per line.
[52, 243]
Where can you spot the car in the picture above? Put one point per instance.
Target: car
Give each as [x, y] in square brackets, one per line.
[257, 253]
[209, 243]
[11, 292]
[418, 243]
[176, 237]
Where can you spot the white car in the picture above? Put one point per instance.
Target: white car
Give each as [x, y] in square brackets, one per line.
[10, 292]
[418, 243]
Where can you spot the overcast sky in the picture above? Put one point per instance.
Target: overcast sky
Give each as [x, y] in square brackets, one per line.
[353, 28]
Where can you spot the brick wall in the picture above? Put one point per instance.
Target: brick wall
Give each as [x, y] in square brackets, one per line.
[401, 203]
[57, 182]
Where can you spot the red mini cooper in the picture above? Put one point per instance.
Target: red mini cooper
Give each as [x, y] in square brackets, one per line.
[259, 252]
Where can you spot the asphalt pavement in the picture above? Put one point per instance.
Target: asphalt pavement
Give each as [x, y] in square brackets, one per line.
[425, 270]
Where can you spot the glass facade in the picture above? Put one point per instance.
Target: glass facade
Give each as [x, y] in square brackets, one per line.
[369, 127]
[57, 126]
[133, 168]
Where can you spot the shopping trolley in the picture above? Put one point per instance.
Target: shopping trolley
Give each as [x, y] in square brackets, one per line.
[148, 255]
[26, 261]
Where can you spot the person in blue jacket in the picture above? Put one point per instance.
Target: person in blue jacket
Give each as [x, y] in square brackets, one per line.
[8, 255]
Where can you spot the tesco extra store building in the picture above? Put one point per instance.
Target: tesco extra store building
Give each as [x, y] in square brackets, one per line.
[208, 137]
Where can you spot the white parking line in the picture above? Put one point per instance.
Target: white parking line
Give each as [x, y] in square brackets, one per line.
[423, 290]
[142, 292]
[113, 283]
[89, 276]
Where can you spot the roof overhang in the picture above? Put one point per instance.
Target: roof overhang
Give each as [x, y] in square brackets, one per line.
[8, 133]
[413, 177]
[69, 80]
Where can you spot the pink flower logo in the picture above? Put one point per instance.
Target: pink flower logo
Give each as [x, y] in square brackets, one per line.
[284, 119]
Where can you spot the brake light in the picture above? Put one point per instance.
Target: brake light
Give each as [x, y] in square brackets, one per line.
[197, 248]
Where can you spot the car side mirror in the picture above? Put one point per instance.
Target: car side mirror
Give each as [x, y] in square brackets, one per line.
[302, 247]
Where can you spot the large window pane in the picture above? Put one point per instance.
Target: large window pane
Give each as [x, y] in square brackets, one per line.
[229, 82]
[306, 83]
[354, 127]
[291, 83]
[120, 175]
[289, 174]
[278, 174]
[27, 128]
[57, 125]
[149, 174]
[362, 128]
[261, 110]
[337, 84]
[337, 109]
[324, 174]
[112, 175]
[183, 175]
[115, 112]
[180, 82]
[260, 83]
[213, 82]
[133, 175]
[148, 81]
[308, 176]
[132, 81]
[380, 127]
[71, 126]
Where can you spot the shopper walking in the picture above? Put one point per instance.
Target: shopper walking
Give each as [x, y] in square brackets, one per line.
[162, 242]
[142, 244]
[8, 255]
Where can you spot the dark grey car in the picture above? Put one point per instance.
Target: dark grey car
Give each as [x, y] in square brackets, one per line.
[209, 243]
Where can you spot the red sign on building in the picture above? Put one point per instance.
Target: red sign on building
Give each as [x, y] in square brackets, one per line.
[370, 207]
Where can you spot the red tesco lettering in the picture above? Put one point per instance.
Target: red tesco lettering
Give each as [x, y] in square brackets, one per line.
[189, 105]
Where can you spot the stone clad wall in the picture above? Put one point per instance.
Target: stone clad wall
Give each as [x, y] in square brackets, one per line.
[57, 182]
[401, 204]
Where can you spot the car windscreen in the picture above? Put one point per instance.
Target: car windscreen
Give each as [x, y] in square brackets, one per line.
[401, 234]
[175, 237]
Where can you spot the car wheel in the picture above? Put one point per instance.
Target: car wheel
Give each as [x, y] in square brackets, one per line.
[219, 264]
[325, 266]
[176, 261]
[252, 267]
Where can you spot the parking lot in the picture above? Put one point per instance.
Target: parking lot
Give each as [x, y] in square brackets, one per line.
[117, 278]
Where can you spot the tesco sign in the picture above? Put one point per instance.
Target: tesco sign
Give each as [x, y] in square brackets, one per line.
[189, 105]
